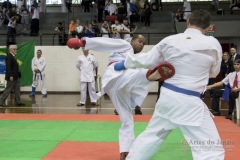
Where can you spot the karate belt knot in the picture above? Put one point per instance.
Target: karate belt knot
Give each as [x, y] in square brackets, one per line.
[35, 75]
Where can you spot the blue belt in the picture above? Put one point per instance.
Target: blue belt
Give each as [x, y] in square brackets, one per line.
[180, 90]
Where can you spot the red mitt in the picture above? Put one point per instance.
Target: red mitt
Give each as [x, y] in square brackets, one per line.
[76, 43]
[163, 71]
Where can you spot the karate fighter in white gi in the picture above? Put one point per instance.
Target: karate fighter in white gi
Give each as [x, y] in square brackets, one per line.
[127, 88]
[38, 68]
[195, 57]
[87, 64]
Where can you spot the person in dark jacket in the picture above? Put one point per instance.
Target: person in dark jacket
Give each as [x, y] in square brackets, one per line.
[226, 65]
[12, 77]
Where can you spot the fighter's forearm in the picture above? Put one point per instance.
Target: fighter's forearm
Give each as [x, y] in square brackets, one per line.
[215, 85]
[147, 60]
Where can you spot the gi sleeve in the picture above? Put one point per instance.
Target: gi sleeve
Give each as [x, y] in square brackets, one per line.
[215, 68]
[149, 60]
[43, 65]
[33, 64]
[226, 80]
[78, 63]
[103, 44]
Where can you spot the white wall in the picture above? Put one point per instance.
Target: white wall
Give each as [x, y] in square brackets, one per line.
[61, 73]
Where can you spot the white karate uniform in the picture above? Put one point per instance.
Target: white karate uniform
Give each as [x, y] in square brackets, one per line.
[86, 66]
[41, 65]
[126, 89]
[195, 57]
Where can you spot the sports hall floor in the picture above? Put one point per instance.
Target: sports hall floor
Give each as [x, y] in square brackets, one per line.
[55, 128]
[67, 104]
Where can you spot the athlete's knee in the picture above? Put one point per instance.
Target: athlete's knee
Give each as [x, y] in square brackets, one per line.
[127, 124]
[83, 89]
[161, 134]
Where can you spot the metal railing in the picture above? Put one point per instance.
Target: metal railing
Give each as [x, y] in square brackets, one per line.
[51, 39]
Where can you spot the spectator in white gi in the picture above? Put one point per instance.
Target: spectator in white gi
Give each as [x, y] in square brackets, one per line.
[86, 64]
[186, 9]
[195, 57]
[38, 68]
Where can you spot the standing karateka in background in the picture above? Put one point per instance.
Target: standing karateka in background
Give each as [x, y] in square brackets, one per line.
[126, 89]
[38, 68]
[87, 65]
[196, 58]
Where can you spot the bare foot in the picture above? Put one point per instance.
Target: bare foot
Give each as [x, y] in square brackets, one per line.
[155, 76]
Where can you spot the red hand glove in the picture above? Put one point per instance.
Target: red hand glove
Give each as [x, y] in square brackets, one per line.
[161, 71]
[76, 43]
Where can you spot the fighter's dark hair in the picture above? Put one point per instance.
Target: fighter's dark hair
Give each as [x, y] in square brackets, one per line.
[136, 36]
[200, 18]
